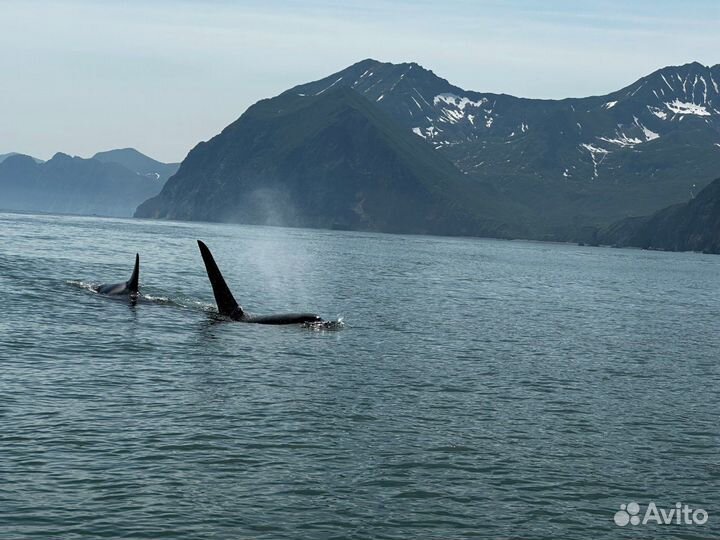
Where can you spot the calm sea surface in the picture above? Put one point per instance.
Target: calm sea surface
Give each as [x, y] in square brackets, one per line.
[479, 388]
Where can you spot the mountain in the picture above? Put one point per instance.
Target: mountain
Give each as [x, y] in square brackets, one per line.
[690, 226]
[554, 168]
[72, 185]
[333, 160]
[3, 157]
[139, 163]
[577, 160]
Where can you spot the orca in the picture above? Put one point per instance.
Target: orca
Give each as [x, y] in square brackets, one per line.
[227, 305]
[127, 288]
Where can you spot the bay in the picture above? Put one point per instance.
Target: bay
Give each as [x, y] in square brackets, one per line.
[479, 388]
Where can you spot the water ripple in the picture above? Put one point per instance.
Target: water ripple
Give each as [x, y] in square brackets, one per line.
[483, 388]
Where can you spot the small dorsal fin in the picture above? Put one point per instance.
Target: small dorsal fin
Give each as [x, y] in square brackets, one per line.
[134, 280]
[223, 297]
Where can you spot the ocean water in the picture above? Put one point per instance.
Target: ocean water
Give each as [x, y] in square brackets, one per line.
[480, 388]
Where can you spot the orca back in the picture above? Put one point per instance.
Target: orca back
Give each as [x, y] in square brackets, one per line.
[284, 318]
[129, 287]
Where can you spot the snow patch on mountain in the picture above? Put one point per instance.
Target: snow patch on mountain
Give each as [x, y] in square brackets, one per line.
[329, 87]
[662, 115]
[429, 133]
[668, 84]
[452, 116]
[594, 149]
[705, 89]
[455, 111]
[683, 107]
[597, 154]
[457, 101]
[650, 135]
[622, 140]
[421, 97]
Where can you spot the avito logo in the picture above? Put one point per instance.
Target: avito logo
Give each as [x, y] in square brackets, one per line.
[680, 514]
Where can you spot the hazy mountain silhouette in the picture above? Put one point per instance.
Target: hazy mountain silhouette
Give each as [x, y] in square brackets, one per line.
[139, 163]
[73, 185]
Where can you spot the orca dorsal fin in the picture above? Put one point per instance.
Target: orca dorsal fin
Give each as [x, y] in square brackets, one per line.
[134, 281]
[223, 297]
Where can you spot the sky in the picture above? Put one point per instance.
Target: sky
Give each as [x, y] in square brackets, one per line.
[81, 76]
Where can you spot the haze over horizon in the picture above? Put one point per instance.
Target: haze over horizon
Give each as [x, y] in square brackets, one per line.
[160, 76]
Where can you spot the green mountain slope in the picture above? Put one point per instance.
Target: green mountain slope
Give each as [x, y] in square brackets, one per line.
[331, 160]
[318, 155]
[575, 161]
[691, 226]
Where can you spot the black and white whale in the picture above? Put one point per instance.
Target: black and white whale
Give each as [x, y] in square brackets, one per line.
[227, 305]
[127, 288]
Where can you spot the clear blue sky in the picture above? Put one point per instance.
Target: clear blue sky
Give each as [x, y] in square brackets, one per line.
[81, 76]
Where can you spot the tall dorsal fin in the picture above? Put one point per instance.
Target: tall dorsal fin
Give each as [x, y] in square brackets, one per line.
[223, 297]
[134, 280]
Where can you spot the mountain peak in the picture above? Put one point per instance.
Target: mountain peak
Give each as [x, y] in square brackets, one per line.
[690, 67]
[129, 150]
[3, 157]
[367, 62]
[326, 157]
[377, 81]
[686, 65]
[128, 153]
[690, 89]
[639, 139]
[138, 162]
[15, 160]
